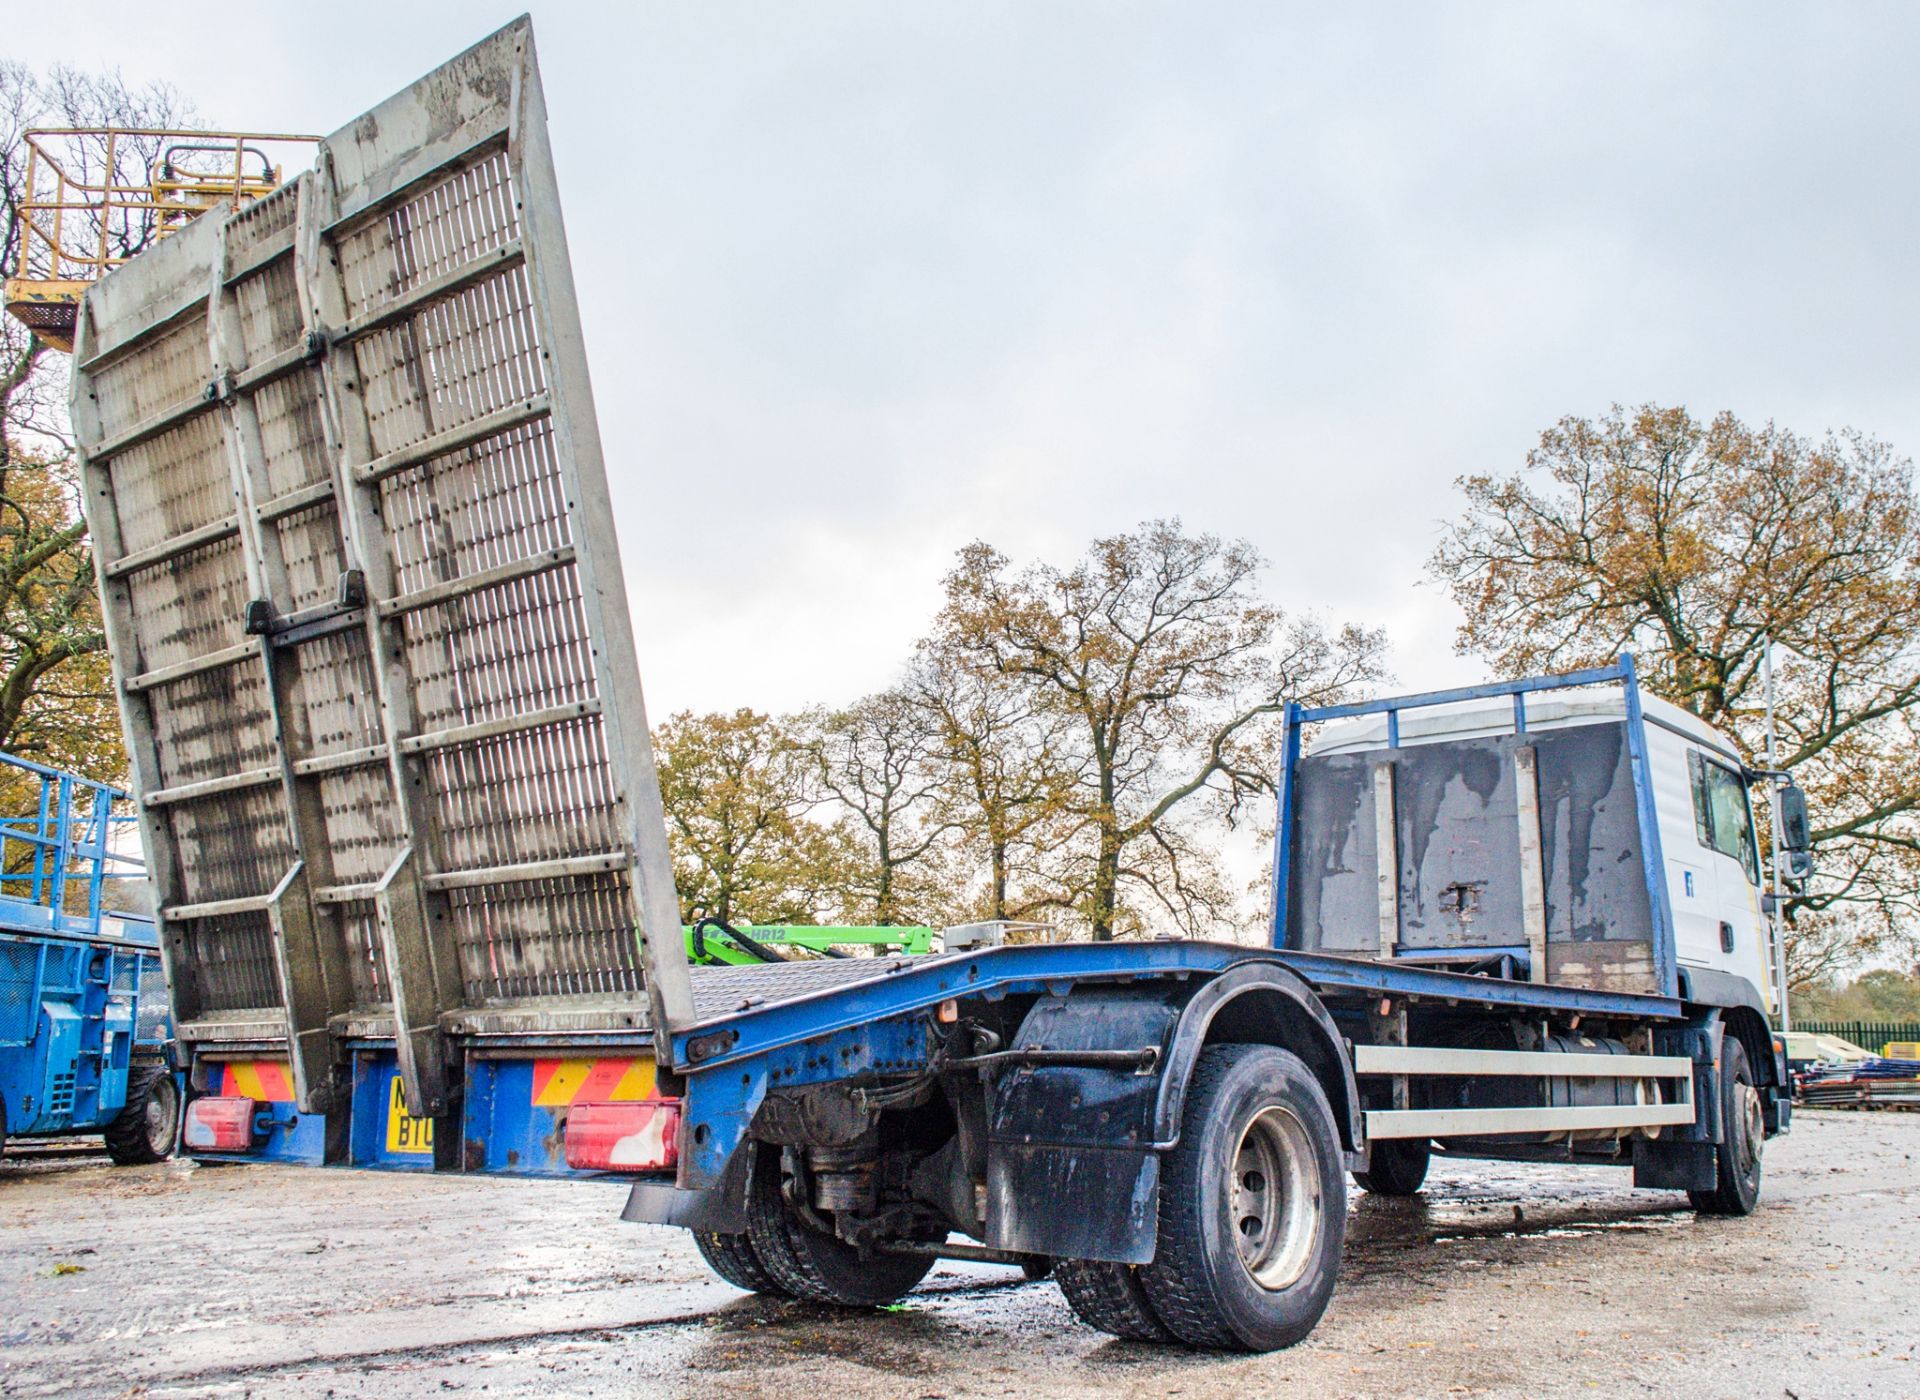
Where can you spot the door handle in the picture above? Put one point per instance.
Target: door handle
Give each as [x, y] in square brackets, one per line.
[1726, 936]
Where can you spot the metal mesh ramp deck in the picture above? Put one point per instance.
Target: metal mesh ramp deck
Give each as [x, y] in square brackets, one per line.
[721, 991]
[360, 577]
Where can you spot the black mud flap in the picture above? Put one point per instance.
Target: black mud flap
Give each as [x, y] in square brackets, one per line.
[1074, 1202]
[1674, 1166]
[1778, 1111]
[1073, 1168]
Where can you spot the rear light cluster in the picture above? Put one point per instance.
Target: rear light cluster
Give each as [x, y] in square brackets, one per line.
[600, 1137]
[624, 1137]
[220, 1125]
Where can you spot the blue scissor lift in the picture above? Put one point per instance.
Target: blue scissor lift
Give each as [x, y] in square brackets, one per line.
[84, 1032]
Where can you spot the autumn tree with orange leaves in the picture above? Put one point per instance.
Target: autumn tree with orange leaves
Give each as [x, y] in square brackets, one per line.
[742, 799]
[1691, 544]
[878, 759]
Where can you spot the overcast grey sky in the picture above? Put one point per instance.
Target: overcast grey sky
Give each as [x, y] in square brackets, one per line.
[862, 282]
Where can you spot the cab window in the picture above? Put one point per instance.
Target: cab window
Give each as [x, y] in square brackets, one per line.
[1721, 817]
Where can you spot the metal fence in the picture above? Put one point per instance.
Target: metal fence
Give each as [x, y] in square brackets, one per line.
[1868, 1035]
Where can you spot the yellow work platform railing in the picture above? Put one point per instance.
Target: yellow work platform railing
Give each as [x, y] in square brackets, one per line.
[95, 197]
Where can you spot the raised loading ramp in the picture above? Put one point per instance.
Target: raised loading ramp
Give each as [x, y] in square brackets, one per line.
[369, 630]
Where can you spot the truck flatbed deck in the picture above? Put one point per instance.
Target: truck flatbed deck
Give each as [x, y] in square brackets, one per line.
[782, 1003]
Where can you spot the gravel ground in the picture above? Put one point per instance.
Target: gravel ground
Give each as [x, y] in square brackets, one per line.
[1500, 1280]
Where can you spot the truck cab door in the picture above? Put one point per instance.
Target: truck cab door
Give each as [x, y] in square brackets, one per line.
[1729, 854]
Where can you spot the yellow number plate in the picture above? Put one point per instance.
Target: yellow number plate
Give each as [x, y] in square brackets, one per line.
[405, 1133]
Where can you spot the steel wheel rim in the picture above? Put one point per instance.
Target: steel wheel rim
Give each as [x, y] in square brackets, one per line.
[1753, 1125]
[159, 1117]
[1273, 1198]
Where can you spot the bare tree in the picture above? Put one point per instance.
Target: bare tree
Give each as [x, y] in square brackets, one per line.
[55, 701]
[1821, 950]
[877, 760]
[33, 376]
[1007, 773]
[1169, 668]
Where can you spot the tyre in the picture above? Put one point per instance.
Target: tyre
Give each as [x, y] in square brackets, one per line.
[1736, 1189]
[733, 1258]
[1396, 1167]
[146, 1129]
[1253, 1205]
[1110, 1298]
[805, 1262]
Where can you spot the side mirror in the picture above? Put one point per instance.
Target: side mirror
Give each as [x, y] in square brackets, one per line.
[1796, 835]
[1795, 856]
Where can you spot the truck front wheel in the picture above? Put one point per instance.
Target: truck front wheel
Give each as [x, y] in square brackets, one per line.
[1736, 1189]
[1253, 1205]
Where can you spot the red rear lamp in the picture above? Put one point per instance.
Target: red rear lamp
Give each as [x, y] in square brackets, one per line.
[624, 1137]
[220, 1125]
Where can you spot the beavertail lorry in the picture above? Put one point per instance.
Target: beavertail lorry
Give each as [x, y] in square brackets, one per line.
[371, 642]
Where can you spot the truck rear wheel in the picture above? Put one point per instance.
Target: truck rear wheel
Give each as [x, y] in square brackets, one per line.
[1736, 1189]
[1396, 1167]
[1110, 1298]
[1253, 1205]
[733, 1258]
[146, 1128]
[807, 1263]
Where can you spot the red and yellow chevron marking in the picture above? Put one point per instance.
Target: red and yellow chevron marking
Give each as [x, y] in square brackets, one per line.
[560, 1083]
[264, 1081]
